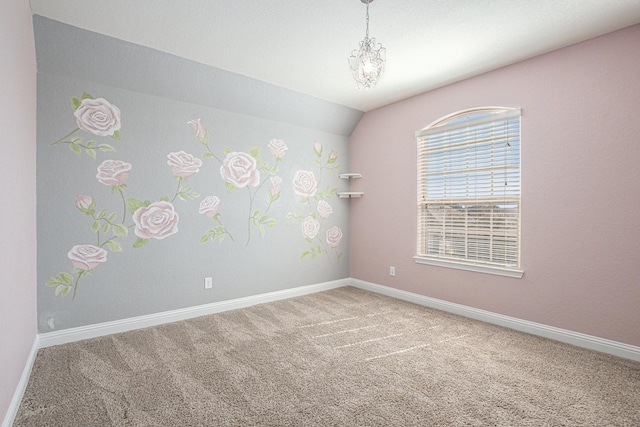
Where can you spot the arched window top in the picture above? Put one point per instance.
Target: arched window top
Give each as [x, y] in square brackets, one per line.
[470, 115]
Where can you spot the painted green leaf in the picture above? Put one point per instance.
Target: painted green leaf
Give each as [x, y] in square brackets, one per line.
[95, 226]
[230, 187]
[65, 291]
[112, 216]
[255, 152]
[134, 204]
[116, 135]
[106, 227]
[339, 256]
[206, 155]
[272, 222]
[90, 152]
[85, 95]
[304, 255]
[226, 150]
[140, 242]
[114, 246]
[66, 277]
[221, 237]
[51, 283]
[90, 143]
[204, 238]
[75, 102]
[101, 214]
[75, 148]
[120, 230]
[105, 147]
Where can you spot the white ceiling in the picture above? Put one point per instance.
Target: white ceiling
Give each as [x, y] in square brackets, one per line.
[303, 45]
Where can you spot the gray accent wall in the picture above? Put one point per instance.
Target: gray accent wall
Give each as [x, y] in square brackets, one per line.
[154, 172]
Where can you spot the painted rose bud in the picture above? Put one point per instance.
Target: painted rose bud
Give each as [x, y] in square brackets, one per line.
[198, 130]
[304, 183]
[98, 116]
[87, 257]
[333, 156]
[317, 147]
[278, 148]
[210, 206]
[83, 202]
[183, 164]
[275, 185]
[156, 221]
[240, 169]
[113, 172]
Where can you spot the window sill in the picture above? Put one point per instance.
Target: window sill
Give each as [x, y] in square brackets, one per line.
[517, 274]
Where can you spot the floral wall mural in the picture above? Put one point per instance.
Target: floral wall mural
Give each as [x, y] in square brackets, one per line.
[151, 195]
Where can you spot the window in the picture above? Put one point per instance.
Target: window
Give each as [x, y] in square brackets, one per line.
[469, 191]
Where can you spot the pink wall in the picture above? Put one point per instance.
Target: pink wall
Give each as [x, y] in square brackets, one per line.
[580, 186]
[18, 194]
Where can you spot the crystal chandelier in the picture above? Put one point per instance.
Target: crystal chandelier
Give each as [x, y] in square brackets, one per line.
[367, 62]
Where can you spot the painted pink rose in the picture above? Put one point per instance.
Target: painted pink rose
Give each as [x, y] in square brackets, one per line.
[334, 235]
[324, 209]
[183, 164]
[317, 147]
[275, 185]
[310, 227]
[278, 148]
[83, 202]
[98, 117]
[210, 206]
[87, 257]
[240, 169]
[198, 130]
[304, 183]
[156, 221]
[113, 172]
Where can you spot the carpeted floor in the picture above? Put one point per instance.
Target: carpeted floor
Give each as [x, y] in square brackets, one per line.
[344, 357]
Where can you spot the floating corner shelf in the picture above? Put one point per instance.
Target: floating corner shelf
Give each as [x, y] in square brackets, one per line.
[350, 175]
[350, 194]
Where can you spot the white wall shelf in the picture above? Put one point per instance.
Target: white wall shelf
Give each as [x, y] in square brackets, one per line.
[350, 194]
[350, 175]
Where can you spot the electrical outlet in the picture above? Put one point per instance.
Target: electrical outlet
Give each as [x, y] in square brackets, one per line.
[392, 271]
[208, 282]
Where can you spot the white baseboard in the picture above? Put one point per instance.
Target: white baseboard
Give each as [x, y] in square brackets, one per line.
[575, 338]
[49, 339]
[12, 411]
[615, 348]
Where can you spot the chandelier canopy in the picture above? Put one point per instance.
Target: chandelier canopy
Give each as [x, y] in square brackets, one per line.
[367, 62]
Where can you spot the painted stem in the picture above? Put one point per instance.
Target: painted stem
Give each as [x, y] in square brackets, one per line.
[66, 136]
[75, 287]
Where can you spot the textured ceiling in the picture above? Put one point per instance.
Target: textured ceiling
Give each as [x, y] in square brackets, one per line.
[304, 45]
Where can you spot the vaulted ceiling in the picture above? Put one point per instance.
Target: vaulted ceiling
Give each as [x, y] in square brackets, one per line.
[304, 45]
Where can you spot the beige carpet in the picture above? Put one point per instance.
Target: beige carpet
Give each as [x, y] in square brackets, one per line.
[344, 357]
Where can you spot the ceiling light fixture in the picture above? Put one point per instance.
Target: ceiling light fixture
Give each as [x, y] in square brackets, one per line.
[367, 62]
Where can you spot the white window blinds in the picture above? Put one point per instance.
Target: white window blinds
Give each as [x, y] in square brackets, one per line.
[469, 189]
